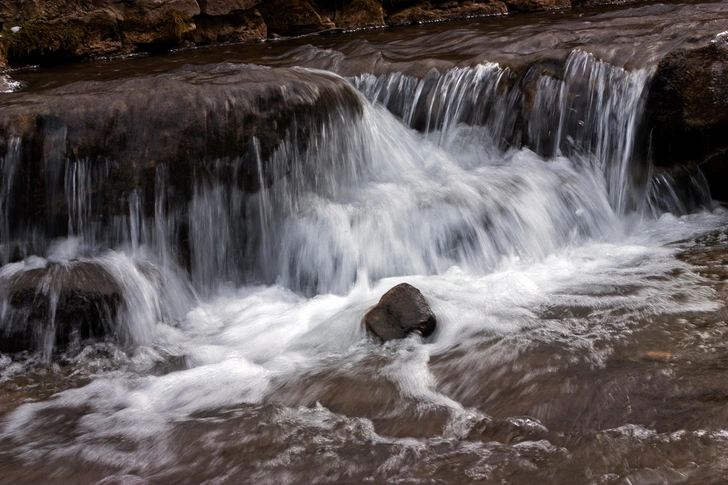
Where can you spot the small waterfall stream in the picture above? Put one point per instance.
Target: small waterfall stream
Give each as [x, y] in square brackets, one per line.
[525, 207]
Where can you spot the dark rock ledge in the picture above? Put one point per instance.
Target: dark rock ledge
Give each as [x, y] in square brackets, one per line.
[688, 111]
[178, 122]
[190, 127]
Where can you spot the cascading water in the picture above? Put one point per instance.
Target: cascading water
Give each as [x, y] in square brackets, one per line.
[364, 196]
[592, 115]
[414, 208]
[524, 211]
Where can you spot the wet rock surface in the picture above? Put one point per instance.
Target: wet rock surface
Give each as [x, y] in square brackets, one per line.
[688, 107]
[48, 308]
[401, 311]
[129, 129]
[451, 10]
[599, 362]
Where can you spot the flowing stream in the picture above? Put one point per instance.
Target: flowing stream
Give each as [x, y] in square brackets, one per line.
[576, 341]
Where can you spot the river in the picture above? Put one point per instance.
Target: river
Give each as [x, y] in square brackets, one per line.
[579, 292]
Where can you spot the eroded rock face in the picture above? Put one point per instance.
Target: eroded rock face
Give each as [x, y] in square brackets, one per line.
[75, 28]
[401, 311]
[46, 308]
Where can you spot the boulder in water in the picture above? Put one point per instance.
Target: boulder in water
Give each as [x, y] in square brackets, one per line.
[47, 308]
[688, 110]
[401, 311]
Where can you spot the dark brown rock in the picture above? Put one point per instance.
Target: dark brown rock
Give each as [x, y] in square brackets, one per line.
[243, 26]
[535, 5]
[57, 30]
[150, 22]
[690, 88]
[225, 7]
[401, 311]
[293, 17]
[46, 308]
[360, 14]
[182, 121]
[688, 110]
[426, 12]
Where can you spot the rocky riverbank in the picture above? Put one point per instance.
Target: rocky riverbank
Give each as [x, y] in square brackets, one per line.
[57, 31]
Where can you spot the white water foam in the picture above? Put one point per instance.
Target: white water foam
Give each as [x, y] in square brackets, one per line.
[492, 240]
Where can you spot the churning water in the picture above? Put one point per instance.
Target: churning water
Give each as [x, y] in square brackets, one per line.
[559, 299]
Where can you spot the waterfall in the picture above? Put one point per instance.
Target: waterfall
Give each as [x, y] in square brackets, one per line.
[465, 168]
[592, 114]
[193, 254]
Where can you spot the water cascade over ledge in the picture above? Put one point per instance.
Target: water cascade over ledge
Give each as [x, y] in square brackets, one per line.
[357, 193]
[203, 269]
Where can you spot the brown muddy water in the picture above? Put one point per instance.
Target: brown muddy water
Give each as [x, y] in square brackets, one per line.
[582, 334]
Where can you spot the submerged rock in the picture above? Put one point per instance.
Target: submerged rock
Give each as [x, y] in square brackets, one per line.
[401, 311]
[47, 308]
